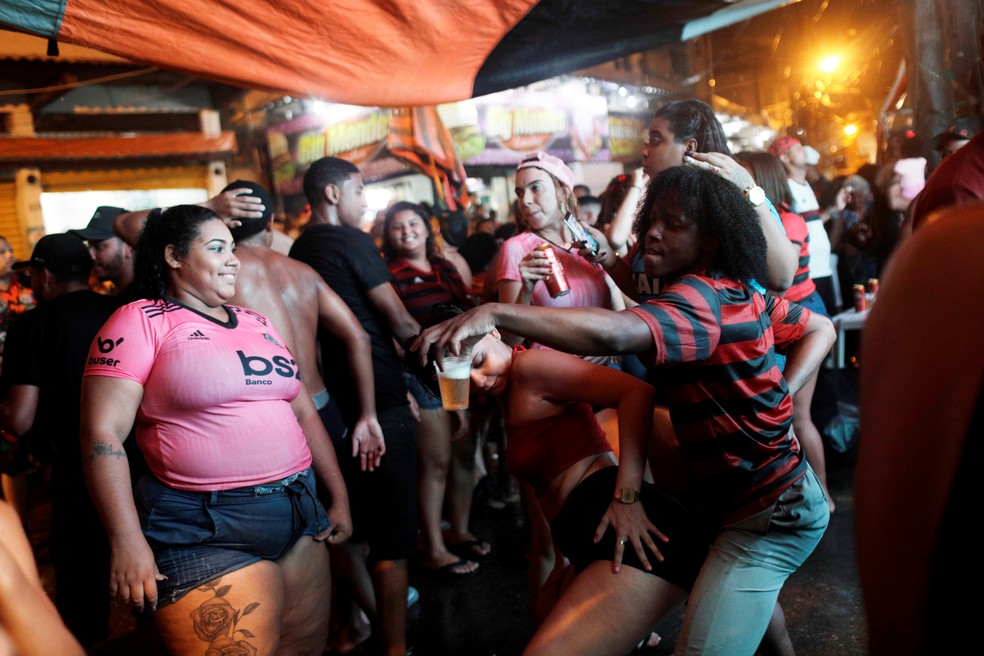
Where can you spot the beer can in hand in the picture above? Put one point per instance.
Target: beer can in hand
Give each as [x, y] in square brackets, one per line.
[860, 300]
[557, 280]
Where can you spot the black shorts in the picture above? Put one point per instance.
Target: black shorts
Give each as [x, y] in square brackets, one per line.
[384, 502]
[574, 527]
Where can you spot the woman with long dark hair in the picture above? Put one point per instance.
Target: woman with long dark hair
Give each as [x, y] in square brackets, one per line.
[222, 542]
[423, 278]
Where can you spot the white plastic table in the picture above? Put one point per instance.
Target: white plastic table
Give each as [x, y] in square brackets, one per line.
[847, 320]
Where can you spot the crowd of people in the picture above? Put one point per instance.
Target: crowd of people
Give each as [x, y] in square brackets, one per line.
[249, 433]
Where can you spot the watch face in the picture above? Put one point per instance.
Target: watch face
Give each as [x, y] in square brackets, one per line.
[628, 495]
[755, 195]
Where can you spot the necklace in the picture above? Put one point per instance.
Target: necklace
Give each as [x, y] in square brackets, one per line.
[551, 241]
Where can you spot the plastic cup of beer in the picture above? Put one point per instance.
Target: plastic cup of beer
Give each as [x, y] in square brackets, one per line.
[454, 381]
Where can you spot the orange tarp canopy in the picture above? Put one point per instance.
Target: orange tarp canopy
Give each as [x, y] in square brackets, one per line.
[343, 50]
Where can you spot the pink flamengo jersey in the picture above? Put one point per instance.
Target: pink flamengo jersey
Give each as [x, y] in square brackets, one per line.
[216, 411]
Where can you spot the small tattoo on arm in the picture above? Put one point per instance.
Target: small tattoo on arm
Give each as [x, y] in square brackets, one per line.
[105, 450]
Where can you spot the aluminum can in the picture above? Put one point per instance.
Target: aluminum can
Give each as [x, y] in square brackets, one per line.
[860, 300]
[873, 287]
[557, 280]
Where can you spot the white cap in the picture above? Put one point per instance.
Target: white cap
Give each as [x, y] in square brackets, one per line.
[812, 156]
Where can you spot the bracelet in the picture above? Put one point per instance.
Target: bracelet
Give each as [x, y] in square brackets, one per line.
[639, 187]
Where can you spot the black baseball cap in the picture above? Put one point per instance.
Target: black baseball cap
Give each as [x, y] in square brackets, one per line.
[962, 128]
[61, 253]
[101, 224]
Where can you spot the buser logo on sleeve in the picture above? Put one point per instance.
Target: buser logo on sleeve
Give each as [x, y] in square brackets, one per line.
[105, 346]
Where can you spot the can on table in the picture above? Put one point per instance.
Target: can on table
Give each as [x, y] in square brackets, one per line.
[860, 300]
[873, 286]
[557, 280]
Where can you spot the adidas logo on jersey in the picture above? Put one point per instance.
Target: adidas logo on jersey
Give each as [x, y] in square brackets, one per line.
[199, 335]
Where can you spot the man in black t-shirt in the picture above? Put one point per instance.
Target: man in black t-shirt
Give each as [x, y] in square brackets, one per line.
[384, 501]
[42, 383]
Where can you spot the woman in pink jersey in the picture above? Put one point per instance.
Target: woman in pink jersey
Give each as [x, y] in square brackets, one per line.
[223, 541]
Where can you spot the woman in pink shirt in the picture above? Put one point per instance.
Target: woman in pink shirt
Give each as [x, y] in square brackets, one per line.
[222, 542]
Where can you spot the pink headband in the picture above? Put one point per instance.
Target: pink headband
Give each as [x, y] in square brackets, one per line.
[552, 165]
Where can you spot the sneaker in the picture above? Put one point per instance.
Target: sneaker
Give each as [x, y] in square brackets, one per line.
[412, 596]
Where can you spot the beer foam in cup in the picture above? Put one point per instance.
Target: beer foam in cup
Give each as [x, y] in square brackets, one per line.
[454, 381]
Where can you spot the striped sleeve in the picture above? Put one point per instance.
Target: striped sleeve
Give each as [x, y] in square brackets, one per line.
[685, 320]
[788, 320]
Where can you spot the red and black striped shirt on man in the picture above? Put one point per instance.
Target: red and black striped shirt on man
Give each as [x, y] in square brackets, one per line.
[731, 409]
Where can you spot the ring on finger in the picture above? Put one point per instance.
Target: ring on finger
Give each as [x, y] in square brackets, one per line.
[622, 542]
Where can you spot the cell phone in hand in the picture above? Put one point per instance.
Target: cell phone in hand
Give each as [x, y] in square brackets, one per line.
[581, 235]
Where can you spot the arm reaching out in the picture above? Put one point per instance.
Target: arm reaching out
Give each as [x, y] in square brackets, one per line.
[229, 205]
[583, 330]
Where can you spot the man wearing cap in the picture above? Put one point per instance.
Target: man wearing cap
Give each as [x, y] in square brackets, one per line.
[112, 258]
[42, 375]
[793, 156]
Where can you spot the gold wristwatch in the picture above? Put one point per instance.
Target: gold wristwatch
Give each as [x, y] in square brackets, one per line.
[755, 195]
[626, 495]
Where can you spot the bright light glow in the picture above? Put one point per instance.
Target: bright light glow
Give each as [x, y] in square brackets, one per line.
[378, 199]
[850, 130]
[830, 64]
[631, 102]
[319, 107]
[69, 210]
[622, 91]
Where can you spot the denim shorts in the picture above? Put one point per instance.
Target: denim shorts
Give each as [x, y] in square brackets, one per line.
[814, 303]
[426, 399]
[199, 536]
